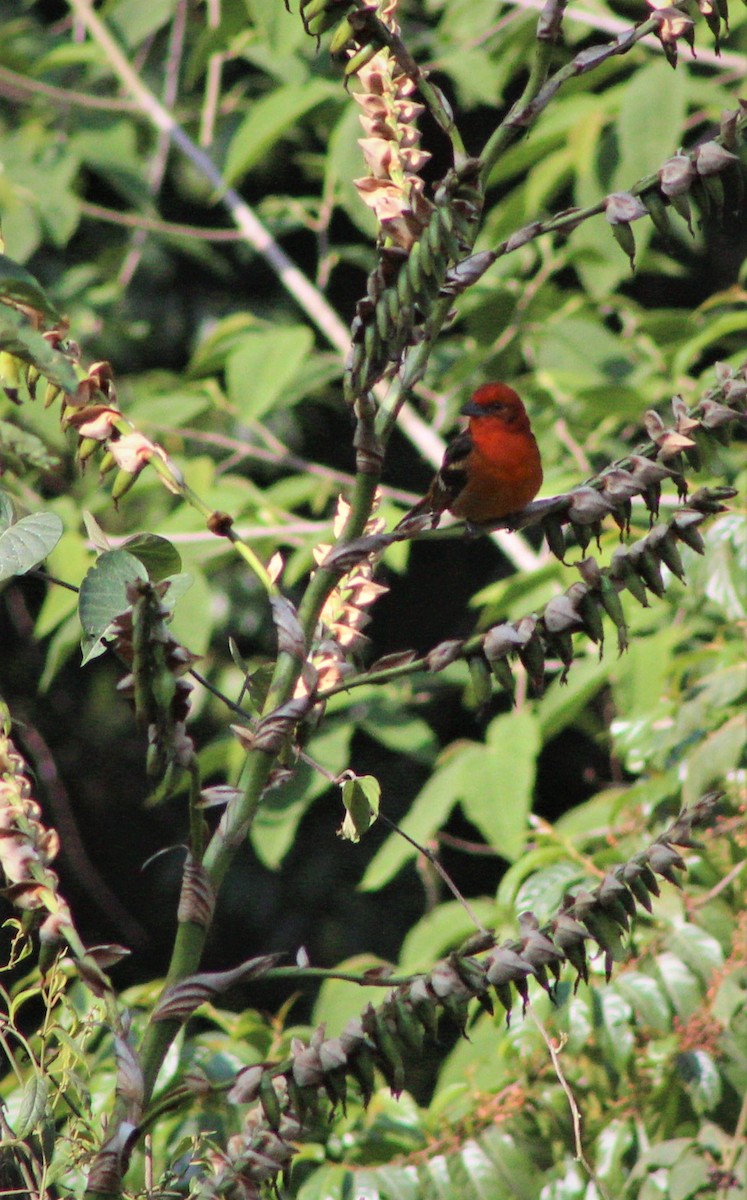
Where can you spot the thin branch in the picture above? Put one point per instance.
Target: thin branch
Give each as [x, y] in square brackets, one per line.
[554, 1052]
[98, 212]
[17, 86]
[614, 25]
[281, 456]
[157, 165]
[446, 877]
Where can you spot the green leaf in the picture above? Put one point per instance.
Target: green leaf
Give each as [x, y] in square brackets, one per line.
[103, 596]
[544, 890]
[691, 1175]
[714, 758]
[18, 286]
[361, 796]
[498, 781]
[648, 999]
[19, 338]
[611, 1146]
[260, 370]
[562, 703]
[20, 450]
[682, 987]
[330, 1182]
[701, 1078]
[7, 512]
[698, 949]
[613, 1017]
[157, 554]
[269, 119]
[493, 782]
[643, 142]
[135, 20]
[33, 1105]
[28, 542]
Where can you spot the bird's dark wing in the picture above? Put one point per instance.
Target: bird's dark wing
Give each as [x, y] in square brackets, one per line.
[448, 482]
[452, 476]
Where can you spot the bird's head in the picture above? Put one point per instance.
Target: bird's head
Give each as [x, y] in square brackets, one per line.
[498, 401]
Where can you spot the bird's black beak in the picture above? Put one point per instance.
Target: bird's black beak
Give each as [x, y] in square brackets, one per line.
[471, 409]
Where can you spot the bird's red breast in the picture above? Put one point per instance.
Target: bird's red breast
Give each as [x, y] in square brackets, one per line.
[492, 468]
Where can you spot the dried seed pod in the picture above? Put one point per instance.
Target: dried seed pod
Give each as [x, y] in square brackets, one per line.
[443, 654]
[561, 615]
[644, 562]
[612, 604]
[685, 527]
[639, 877]
[663, 859]
[616, 900]
[553, 530]
[709, 500]
[622, 570]
[480, 678]
[500, 641]
[532, 656]
[390, 1060]
[662, 543]
[409, 1027]
[711, 158]
[676, 176]
[570, 938]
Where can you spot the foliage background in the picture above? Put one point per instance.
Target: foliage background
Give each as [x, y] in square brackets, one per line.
[214, 359]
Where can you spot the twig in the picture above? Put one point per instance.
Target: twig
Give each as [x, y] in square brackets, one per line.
[554, 1052]
[305, 294]
[721, 886]
[13, 84]
[433, 860]
[607, 24]
[478, 849]
[99, 212]
[157, 165]
[281, 456]
[212, 81]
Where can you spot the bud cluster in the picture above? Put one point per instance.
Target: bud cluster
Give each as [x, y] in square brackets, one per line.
[290, 1095]
[340, 633]
[714, 418]
[27, 847]
[156, 683]
[391, 146]
[90, 409]
[404, 287]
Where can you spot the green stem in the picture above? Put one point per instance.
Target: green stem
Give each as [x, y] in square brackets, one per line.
[238, 816]
[173, 479]
[539, 90]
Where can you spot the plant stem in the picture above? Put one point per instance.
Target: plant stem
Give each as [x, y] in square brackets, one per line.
[239, 814]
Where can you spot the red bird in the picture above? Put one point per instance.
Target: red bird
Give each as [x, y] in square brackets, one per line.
[492, 468]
